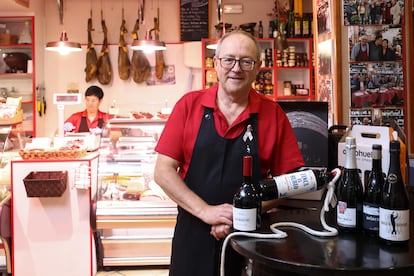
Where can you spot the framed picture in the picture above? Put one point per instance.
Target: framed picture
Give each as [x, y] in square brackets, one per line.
[324, 18]
[373, 12]
[375, 43]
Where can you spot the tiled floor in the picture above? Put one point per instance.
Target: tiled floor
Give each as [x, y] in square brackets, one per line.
[137, 272]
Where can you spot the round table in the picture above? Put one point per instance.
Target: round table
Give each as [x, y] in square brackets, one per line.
[303, 254]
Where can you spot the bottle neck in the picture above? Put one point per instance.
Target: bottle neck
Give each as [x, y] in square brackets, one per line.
[247, 179]
[395, 163]
[247, 169]
[350, 162]
[376, 165]
[376, 160]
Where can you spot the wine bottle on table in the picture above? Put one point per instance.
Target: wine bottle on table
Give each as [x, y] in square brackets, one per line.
[372, 194]
[291, 184]
[394, 212]
[349, 192]
[246, 202]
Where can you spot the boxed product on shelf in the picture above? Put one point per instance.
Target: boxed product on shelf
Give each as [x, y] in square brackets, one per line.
[8, 39]
[11, 112]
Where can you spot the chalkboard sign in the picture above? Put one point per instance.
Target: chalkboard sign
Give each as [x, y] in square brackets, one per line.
[193, 19]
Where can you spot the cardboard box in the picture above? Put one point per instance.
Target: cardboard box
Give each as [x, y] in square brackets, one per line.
[365, 137]
[17, 118]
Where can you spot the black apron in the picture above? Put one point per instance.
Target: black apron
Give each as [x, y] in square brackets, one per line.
[215, 174]
[83, 126]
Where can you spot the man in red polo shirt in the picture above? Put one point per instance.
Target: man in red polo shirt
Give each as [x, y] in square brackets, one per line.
[201, 149]
[91, 119]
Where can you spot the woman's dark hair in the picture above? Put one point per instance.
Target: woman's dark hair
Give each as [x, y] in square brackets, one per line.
[94, 91]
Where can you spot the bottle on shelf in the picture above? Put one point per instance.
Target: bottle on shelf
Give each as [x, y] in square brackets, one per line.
[271, 29]
[297, 22]
[372, 194]
[290, 32]
[246, 202]
[394, 212]
[349, 192]
[25, 35]
[260, 32]
[295, 183]
[306, 25]
[113, 109]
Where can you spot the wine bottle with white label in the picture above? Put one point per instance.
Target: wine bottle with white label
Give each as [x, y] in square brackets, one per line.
[246, 202]
[394, 212]
[291, 184]
[372, 194]
[349, 192]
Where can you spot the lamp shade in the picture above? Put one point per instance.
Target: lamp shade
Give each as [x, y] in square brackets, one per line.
[63, 46]
[148, 45]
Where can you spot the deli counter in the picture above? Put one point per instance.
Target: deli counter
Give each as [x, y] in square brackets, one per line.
[135, 219]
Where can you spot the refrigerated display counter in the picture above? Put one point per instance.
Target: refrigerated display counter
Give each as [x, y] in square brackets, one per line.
[135, 220]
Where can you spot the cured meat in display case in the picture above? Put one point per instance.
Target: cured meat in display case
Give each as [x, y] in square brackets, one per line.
[135, 219]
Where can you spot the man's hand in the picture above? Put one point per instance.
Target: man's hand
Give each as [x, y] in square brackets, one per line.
[220, 231]
[68, 126]
[96, 131]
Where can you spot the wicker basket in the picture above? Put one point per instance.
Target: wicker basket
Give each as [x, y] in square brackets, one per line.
[46, 184]
[52, 154]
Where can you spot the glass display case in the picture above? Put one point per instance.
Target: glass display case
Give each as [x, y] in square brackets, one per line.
[134, 218]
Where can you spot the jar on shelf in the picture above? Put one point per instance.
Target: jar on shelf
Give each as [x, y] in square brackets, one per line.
[209, 62]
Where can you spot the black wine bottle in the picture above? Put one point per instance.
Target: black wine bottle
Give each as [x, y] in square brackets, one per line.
[260, 32]
[304, 181]
[349, 192]
[372, 194]
[246, 202]
[394, 212]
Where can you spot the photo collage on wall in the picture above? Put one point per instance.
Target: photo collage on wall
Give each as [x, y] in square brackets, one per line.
[376, 72]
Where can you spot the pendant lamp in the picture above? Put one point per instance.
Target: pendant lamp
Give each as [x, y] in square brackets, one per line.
[149, 44]
[63, 46]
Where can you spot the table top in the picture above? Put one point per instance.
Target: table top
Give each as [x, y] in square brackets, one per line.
[305, 254]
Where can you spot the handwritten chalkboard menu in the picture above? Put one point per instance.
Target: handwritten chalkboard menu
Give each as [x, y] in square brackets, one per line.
[193, 19]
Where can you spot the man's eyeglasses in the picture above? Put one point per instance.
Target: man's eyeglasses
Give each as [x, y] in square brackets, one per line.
[244, 63]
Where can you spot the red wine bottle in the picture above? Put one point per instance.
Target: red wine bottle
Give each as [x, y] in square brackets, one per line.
[349, 192]
[246, 202]
[299, 182]
[394, 212]
[372, 195]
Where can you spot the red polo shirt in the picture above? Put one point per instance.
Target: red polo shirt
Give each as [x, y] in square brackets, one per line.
[75, 119]
[278, 148]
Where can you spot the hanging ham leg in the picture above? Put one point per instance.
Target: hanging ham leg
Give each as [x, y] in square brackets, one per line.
[123, 60]
[91, 56]
[104, 63]
[140, 66]
[159, 56]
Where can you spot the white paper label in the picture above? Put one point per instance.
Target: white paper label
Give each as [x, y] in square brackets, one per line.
[346, 216]
[244, 219]
[296, 183]
[394, 225]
